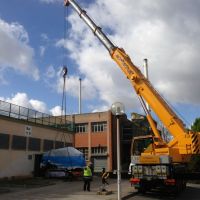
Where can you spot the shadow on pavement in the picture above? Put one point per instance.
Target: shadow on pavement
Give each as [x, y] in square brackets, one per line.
[192, 193]
[130, 196]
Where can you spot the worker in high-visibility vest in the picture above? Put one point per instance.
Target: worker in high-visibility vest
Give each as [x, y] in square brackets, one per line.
[87, 177]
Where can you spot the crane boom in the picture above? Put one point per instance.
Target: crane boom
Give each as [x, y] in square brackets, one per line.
[95, 29]
[144, 88]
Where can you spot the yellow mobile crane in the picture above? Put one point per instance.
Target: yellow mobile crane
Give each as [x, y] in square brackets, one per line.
[155, 162]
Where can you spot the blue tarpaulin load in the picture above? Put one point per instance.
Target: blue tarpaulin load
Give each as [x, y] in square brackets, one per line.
[67, 157]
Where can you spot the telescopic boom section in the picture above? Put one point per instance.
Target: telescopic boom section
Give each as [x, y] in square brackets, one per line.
[96, 30]
[141, 85]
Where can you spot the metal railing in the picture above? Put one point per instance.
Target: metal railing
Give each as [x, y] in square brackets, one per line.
[21, 113]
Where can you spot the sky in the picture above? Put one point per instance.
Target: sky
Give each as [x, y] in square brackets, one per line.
[35, 43]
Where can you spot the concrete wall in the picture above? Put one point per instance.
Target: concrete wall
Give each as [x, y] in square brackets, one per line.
[16, 163]
[21, 162]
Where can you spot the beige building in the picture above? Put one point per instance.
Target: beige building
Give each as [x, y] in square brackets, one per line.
[24, 134]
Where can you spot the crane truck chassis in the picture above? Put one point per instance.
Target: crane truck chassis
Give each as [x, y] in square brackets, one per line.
[155, 162]
[155, 171]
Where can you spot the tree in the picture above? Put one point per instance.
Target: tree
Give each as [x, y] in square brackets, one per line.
[196, 125]
[194, 165]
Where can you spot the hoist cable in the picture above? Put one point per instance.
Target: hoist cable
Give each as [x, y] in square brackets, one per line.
[65, 71]
[64, 34]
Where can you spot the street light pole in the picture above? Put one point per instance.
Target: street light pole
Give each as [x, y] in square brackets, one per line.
[118, 161]
[118, 110]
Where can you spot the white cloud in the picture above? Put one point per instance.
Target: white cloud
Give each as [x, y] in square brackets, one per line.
[50, 72]
[38, 105]
[145, 30]
[56, 111]
[15, 52]
[42, 50]
[22, 99]
[100, 108]
[72, 87]
[51, 1]
[3, 81]
[44, 37]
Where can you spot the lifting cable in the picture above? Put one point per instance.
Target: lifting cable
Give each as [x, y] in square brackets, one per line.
[63, 121]
[65, 70]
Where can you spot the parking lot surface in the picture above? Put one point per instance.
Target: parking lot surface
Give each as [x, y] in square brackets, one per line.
[73, 190]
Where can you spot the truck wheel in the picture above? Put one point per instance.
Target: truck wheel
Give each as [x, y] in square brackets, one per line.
[47, 174]
[184, 185]
[178, 187]
[142, 189]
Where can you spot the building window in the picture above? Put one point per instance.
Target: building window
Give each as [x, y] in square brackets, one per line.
[4, 141]
[59, 144]
[34, 144]
[81, 128]
[84, 151]
[48, 145]
[18, 142]
[99, 126]
[99, 150]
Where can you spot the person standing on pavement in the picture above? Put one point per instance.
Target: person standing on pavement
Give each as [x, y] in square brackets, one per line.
[104, 178]
[87, 177]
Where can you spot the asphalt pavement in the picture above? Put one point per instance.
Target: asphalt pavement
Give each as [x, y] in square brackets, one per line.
[65, 190]
[73, 190]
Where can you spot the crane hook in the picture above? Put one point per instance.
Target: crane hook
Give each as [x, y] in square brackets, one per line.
[64, 71]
